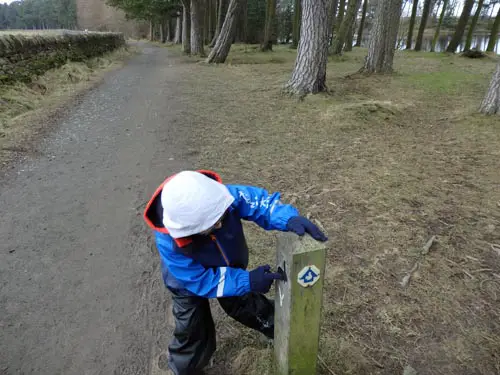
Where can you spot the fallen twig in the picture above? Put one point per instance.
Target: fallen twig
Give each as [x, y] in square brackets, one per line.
[343, 298]
[452, 262]
[325, 366]
[425, 251]
[406, 279]
[376, 363]
[472, 258]
[468, 274]
[483, 270]
[428, 245]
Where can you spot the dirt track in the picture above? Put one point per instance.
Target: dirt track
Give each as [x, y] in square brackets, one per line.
[80, 287]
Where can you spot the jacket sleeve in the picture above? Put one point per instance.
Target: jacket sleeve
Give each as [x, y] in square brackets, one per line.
[204, 282]
[256, 204]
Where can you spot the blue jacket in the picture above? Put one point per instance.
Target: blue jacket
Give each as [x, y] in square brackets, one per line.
[215, 266]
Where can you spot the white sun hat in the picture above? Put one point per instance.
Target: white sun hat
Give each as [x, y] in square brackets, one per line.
[193, 203]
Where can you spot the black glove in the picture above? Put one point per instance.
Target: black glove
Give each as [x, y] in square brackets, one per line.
[300, 225]
[262, 278]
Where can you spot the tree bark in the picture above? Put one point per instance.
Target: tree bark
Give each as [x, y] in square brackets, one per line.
[242, 30]
[151, 31]
[309, 73]
[361, 24]
[186, 27]
[350, 37]
[332, 19]
[340, 16]
[409, 39]
[423, 24]
[350, 33]
[297, 8]
[178, 30]
[212, 20]
[221, 9]
[494, 34]
[491, 102]
[267, 43]
[197, 28]
[206, 16]
[470, 33]
[223, 45]
[460, 29]
[438, 27]
[163, 28]
[168, 33]
[345, 27]
[383, 37]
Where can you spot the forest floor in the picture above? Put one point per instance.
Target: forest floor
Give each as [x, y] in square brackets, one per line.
[384, 163]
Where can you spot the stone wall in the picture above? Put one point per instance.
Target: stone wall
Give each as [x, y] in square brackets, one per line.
[24, 56]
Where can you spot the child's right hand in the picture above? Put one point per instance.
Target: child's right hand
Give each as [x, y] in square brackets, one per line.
[262, 278]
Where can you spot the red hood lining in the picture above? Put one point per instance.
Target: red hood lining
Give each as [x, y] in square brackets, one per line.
[150, 212]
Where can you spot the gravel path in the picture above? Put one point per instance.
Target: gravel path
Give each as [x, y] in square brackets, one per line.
[80, 289]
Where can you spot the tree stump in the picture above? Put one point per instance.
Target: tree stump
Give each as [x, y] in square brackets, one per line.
[473, 53]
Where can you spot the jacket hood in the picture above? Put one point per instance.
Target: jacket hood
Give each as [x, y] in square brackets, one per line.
[193, 204]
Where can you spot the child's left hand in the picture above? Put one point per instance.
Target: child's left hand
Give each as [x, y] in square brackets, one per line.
[300, 225]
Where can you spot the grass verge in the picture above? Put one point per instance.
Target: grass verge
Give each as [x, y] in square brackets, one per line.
[383, 163]
[28, 109]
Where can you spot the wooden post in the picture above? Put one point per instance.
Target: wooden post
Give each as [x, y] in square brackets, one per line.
[298, 304]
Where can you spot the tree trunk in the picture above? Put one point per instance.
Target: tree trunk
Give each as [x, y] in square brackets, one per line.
[178, 30]
[309, 74]
[221, 49]
[423, 24]
[186, 27]
[494, 34]
[438, 27]
[470, 33]
[383, 37]
[460, 29]
[361, 24]
[491, 102]
[243, 29]
[163, 28]
[409, 39]
[345, 27]
[332, 18]
[267, 44]
[350, 32]
[350, 37]
[212, 20]
[206, 15]
[197, 28]
[340, 17]
[221, 9]
[168, 34]
[296, 23]
[151, 31]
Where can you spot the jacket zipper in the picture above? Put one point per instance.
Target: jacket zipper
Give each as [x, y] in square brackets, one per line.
[212, 236]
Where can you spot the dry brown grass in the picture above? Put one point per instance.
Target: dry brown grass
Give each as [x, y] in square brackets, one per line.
[384, 163]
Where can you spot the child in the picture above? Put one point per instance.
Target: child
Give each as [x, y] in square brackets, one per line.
[199, 235]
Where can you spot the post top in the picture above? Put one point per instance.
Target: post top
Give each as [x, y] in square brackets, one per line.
[294, 244]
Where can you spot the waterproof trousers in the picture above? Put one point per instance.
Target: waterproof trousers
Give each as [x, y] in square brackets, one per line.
[194, 335]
